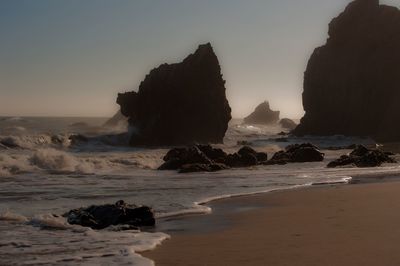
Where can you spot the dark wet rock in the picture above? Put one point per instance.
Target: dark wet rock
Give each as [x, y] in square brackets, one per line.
[212, 153]
[205, 158]
[281, 157]
[179, 104]
[237, 160]
[260, 156]
[178, 157]
[78, 139]
[363, 157]
[263, 115]
[359, 150]
[287, 123]
[297, 153]
[283, 134]
[103, 216]
[10, 143]
[351, 84]
[307, 154]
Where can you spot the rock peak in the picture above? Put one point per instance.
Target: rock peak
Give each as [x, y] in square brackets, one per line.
[180, 104]
[263, 115]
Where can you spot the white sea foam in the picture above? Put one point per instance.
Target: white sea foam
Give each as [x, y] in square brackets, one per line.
[10, 216]
[49, 221]
[59, 161]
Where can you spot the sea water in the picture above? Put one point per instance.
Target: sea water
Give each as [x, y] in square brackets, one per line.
[43, 176]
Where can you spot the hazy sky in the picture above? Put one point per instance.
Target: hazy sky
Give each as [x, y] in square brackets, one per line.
[72, 57]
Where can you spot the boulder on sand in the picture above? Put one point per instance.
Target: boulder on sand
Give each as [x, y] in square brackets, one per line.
[103, 216]
[363, 157]
[179, 104]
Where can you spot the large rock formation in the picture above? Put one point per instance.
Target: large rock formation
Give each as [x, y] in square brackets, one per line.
[179, 104]
[352, 83]
[263, 115]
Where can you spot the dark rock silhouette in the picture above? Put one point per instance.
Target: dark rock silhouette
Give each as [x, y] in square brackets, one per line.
[103, 216]
[297, 153]
[205, 158]
[287, 123]
[263, 115]
[363, 157]
[180, 104]
[351, 85]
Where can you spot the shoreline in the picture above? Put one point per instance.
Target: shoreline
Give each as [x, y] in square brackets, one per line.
[200, 233]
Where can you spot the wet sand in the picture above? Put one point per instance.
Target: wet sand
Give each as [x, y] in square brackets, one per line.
[335, 225]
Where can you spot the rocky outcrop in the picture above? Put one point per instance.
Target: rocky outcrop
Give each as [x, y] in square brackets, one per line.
[103, 216]
[179, 104]
[363, 157]
[204, 158]
[351, 85]
[297, 153]
[287, 123]
[263, 115]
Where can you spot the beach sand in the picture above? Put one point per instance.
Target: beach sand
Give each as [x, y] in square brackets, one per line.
[335, 225]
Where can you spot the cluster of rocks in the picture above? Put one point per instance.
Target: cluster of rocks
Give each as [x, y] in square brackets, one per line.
[205, 158]
[363, 157]
[179, 104]
[103, 216]
[351, 84]
[263, 115]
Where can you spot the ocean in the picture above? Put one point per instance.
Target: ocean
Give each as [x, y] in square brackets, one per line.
[43, 175]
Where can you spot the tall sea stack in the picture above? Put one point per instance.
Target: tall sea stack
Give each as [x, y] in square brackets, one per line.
[352, 83]
[179, 104]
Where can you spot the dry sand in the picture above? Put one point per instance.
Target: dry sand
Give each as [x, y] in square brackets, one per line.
[337, 225]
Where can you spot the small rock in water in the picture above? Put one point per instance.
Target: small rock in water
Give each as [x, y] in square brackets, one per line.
[297, 153]
[103, 216]
[363, 157]
[263, 115]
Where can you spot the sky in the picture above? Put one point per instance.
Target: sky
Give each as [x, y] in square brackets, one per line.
[72, 57]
